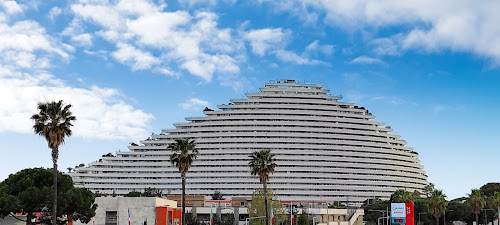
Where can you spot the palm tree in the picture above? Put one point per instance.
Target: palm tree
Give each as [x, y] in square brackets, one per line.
[476, 202]
[262, 164]
[53, 122]
[402, 196]
[184, 152]
[495, 201]
[436, 204]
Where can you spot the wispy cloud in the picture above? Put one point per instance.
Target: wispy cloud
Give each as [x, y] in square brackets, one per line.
[194, 104]
[463, 26]
[367, 60]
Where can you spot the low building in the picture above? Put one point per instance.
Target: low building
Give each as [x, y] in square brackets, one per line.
[140, 210]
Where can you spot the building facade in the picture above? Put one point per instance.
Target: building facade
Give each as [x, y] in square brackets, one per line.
[325, 149]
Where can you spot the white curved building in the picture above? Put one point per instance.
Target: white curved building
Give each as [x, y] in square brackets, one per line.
[325, 150]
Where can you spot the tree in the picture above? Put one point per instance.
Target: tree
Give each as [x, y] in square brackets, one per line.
[228, 219]
[29, 190]
[53, 122]
[495, 201]
[377, 205]
[217, 195]
[262, 164]
[302, 220]
[436, 204]
[191, 219]
[489, 189]
[402, 196]
[258, 206]
[184, 153]
[428, 189]
[459, 211]
[476, 202]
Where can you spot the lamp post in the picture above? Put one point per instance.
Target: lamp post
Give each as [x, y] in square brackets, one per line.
[419, 216]
[485, 214]
[444, 215]
[379, 210]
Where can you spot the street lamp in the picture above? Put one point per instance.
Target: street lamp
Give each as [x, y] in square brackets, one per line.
[419, 216]
[485, 214]
[444, 216]
[379, 210]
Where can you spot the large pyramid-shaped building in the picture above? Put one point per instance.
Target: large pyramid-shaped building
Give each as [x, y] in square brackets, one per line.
[325, 150]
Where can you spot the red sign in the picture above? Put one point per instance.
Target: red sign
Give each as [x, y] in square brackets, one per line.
[410, 215]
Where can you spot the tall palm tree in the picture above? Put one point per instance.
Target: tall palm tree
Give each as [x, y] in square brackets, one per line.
[53, 122]
[476, 202]
[436, 204]
[184, 153]
[495, 201]
[402, 196]
[262, 164]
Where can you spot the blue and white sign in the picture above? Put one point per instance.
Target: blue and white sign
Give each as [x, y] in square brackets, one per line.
[398, 213]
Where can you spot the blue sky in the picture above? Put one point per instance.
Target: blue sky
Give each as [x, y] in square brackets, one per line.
[428, 69]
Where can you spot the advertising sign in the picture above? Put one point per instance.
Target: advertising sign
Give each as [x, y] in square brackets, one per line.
[410, 215]
[398, 213]
[398, 210]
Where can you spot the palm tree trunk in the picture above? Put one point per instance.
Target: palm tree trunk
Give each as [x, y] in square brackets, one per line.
[54, 206]
[477, 218]
[265, 202]
[437, 220]
[183, 201]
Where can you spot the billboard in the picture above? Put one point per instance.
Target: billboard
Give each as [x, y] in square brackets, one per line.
[398, 213]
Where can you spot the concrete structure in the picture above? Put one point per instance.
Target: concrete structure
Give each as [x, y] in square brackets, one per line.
[143, 210]
[325, 149]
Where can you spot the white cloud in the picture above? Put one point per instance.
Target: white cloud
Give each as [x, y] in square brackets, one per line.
[100, 112]
[147, 37]
[54, 12]
[11, 7]
[462, 26]
[138, 59]
[288, 56]
[367, 60]
[194, 104]
[268, 38]
[28, 36]
[84, 40]
[27, 51]
[315, 46]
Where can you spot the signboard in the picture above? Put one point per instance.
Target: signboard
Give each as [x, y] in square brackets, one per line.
[396, 220]
[410, 215]
[398, 213]
[398, 210]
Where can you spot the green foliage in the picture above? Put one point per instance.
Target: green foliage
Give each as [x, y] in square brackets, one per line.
[459, 211]
[191, 219]
[402, 196]
[262, 164]
[228, 219]
[302, 220]
[372, 216]
[184, 152]
[217, 195]
[148, 192]
[30, 190]
[489, 189]
[257, 208]
[436, 204]
[494, 201]
[476, 202]
[428, 189]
